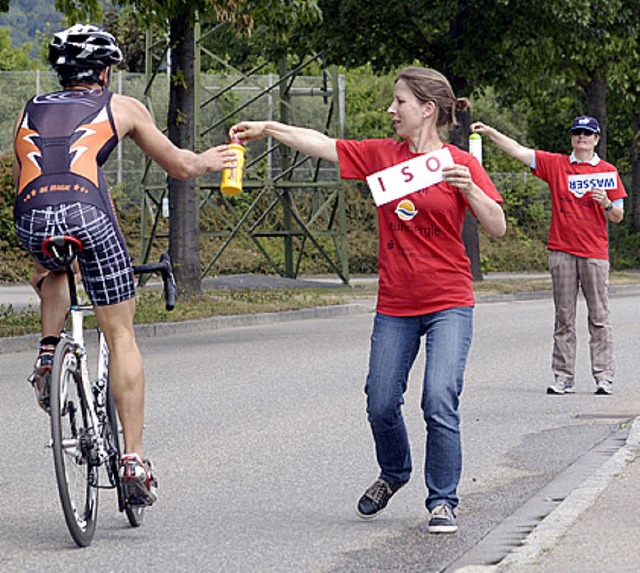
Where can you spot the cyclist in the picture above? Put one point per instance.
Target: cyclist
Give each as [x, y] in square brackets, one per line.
[61, 141]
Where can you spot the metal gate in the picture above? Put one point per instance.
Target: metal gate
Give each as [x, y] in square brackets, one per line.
[292, 205]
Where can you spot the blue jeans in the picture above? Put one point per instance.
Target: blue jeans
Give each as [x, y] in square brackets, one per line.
[395, 342]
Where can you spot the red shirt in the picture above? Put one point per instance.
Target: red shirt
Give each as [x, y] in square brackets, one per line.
[422, 262]
[578, 223]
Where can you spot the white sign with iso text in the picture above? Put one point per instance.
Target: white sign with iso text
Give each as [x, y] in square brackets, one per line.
[409, 176]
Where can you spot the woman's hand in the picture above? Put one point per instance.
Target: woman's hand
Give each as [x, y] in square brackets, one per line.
[600, 196]
[248, 130]
[479, 127]
[459, 176]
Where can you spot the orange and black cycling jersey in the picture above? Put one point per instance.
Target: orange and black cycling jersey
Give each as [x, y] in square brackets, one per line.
[62, 141]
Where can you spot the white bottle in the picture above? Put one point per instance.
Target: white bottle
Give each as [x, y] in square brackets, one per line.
[475, 146]
[165, 207]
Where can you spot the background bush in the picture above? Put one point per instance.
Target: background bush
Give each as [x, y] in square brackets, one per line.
[527, 204]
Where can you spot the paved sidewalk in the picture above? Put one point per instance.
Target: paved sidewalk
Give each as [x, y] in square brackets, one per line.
[594, 530]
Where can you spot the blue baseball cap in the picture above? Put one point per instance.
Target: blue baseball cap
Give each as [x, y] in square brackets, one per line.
[586, 122]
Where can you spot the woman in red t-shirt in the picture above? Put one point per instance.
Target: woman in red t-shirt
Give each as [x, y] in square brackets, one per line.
[422, 187]
[587, 194]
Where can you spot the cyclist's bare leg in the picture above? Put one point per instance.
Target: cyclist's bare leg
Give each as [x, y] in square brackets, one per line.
[54, 301]
[126, 372]
[36, 280]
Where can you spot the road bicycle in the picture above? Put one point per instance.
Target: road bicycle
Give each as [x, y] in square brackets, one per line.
[84, 420]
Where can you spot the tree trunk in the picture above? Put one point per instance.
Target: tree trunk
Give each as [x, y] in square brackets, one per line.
[184, 236]
[596, 93]
[460, 137]
[635, 173]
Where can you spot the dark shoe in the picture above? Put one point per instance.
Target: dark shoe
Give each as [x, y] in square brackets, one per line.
[40, 379]
[604, 387]
[560, 387]
[376, 498]
[138, 479]
[443, 520]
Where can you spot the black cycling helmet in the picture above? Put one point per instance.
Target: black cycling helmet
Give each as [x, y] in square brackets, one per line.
[81, 52]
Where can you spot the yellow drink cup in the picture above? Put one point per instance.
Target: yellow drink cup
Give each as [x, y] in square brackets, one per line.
[231, 183]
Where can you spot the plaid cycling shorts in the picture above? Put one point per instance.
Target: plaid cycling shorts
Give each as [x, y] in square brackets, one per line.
[104, 261]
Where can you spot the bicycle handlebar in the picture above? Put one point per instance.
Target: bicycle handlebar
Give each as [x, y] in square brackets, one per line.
[165, 269]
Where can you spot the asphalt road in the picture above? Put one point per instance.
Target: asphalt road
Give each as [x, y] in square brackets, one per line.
[260, 439]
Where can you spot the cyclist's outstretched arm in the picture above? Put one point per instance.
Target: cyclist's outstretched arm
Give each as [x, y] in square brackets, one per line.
[134, 120]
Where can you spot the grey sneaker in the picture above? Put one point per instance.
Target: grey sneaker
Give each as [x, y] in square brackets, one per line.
[560, 387]
[604, 387]
[443, 520]
[376, 498]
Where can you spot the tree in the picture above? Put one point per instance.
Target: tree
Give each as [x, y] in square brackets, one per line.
[440, 34]
[538, 50]
[14, 58]
[273, 17]
[580, 46]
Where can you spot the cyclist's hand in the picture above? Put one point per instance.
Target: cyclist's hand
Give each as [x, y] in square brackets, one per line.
[219, 157]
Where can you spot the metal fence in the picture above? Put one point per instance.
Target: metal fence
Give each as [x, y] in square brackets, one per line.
[125, 167]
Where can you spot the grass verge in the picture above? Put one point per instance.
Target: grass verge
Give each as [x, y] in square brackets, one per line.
[225, 302]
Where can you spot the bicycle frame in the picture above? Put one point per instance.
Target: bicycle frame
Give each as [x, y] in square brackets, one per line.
[84, 420]
[96, 391]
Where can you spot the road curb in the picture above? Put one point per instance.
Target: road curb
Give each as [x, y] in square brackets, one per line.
[555, 525]
[29, 341]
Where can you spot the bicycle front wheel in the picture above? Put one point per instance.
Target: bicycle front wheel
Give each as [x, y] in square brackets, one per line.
[71, 441]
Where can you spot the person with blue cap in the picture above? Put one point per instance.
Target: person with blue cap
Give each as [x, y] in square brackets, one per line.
[586, 193]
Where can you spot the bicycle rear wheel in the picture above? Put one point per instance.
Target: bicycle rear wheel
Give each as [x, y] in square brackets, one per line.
[71, 441]
[134, 513]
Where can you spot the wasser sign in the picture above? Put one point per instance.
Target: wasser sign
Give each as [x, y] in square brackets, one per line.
[580, 184]
[408, 177]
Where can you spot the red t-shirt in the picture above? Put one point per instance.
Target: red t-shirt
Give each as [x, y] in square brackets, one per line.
[422, 263]
[578, 223]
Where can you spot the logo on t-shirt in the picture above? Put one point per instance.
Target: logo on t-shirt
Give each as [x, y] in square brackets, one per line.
[580, 184]
[406, 210]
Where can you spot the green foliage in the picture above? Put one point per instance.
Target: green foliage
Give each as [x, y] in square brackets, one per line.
[129, 30]
[368, 98]
[624, 248]
[80, 10]
[273, 25]
[15, 263]
[29, 19]
[527, 202]
[7, 197]
[14, 58]
[15, 322]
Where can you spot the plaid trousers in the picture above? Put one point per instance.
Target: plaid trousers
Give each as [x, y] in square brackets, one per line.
[568, 273]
